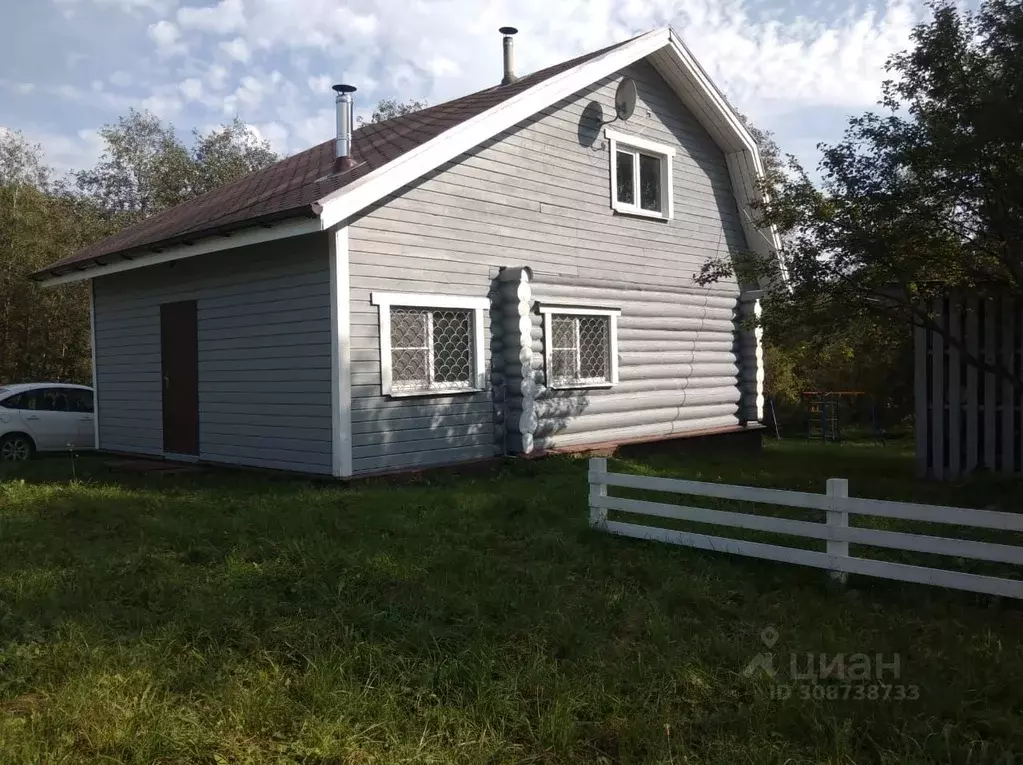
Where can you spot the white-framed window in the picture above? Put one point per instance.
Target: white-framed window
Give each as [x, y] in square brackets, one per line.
[641, 176]
[430, 344]
[580, 346]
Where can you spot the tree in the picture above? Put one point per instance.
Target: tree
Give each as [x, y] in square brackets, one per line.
[392, 107]
[924, 197]
[44, 334]
[226, 154]
[146, 169]
[770, 153]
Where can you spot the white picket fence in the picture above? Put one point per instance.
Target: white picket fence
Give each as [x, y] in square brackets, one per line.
[838, 506]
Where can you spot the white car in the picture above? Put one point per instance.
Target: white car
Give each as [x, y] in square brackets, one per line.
[44, 417]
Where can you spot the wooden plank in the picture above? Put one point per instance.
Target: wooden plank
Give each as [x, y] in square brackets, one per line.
[957, 548]
[717, 490]
[958, 516]
[955, 324]
[921, 394]
[990, 335]
[911, 511]
[938, 394]
[598, 492]
[1008, 394]
[972, 393]
[882, 569]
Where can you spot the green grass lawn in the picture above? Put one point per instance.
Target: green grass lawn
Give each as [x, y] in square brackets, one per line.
[232, 617]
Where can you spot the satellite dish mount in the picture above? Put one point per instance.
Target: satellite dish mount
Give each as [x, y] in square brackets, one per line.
[625, 100]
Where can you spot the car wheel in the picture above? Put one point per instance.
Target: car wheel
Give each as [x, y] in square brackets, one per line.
[16, 448]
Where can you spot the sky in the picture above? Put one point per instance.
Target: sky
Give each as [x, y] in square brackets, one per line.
[799, 68]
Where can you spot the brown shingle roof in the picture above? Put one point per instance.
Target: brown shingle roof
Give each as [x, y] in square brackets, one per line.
[291, 187]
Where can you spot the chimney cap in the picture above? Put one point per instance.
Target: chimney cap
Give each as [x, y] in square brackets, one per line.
[344, 88]
[508, 30]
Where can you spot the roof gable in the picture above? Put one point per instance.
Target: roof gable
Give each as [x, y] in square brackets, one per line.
[395, 152]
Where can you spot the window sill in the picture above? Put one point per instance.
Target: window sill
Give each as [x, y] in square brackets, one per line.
[433, 392]
[581, 386]
[639, 212]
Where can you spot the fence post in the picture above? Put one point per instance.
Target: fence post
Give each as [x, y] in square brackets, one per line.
[598, 515]
[838, 489]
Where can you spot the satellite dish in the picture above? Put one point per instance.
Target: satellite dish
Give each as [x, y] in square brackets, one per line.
[625, 98]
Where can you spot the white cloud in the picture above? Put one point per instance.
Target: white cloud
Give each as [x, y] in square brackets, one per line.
[129, 6]
[191, 89]
[227, 16]
[167, 38]
[164, 101]
[442, 66]
[237, 49]
[274, 132]
[215, 77]
[320, 84]
[65, 153]
[779, 67]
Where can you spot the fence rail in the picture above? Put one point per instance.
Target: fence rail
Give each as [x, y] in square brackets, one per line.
[835, 530]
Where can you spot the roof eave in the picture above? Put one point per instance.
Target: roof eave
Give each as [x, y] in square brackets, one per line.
[266, 228]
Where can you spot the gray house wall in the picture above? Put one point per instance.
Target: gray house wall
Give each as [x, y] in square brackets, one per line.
[264, 354]
[537, 196]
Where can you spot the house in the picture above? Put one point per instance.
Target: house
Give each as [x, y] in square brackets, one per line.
[510, 272]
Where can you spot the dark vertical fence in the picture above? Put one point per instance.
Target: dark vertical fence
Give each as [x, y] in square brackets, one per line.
[968, 418]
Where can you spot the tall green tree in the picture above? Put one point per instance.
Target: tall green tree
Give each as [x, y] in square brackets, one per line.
[226, 154]
[393, 107]
[146, 168]
[920, 197]
[44, 333]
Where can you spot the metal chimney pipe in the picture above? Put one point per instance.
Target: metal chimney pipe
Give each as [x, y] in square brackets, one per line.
[345, 110]
[509, 55]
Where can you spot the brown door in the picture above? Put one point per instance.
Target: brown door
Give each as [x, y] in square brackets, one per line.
[179, 346]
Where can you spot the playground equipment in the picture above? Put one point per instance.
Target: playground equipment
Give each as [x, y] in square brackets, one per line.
[825, 408]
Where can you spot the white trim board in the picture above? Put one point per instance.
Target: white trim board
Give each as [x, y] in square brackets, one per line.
[92, 345]
[636, 146]
[548, 311]
[340, 354]
[385, 300]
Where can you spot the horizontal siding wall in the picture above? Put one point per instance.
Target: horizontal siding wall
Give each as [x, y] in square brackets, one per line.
[538, 196]
[264, 354]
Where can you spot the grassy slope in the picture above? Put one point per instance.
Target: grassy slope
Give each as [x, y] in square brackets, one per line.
[230, 617]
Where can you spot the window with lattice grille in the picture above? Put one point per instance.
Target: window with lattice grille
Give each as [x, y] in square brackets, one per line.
[430, 343]
[581, 346]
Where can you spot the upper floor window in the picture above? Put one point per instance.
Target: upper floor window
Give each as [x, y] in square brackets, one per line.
[641, 173]
[430, 344]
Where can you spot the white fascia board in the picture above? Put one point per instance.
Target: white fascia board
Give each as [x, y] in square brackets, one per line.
[578, 309]
[745, 164]
[350, 199]
[340, 354]
[242, 238]
[637, 142]
[423, 300]
[727, 117]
